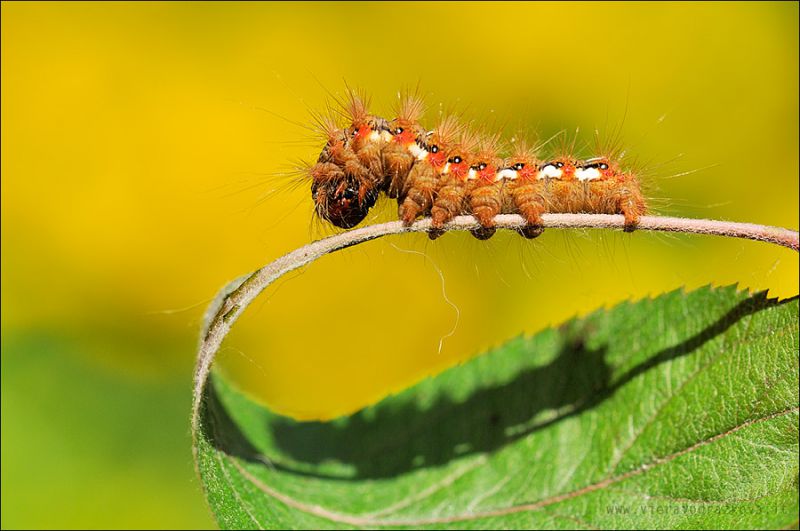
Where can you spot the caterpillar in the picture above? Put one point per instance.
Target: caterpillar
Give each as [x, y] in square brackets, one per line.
[450, 170]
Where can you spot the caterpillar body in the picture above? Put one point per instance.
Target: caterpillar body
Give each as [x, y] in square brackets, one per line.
[450, 171]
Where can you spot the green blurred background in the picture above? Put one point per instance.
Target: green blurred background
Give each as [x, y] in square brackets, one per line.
[142, 147]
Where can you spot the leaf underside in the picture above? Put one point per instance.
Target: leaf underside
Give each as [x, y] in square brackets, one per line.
[674, 412]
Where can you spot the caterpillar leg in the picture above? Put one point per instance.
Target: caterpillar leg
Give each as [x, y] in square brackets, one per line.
[483, 233]
[527, 194]
[632, 206]
[530, 204]
[535, 226]
[397, 164]
[439, 216]
[448, 204]
[631, 221]
[417, 202]
[433, 234]
[420, 190]
[632, 216]
[485, 217]
[485, 203]
[531, 232]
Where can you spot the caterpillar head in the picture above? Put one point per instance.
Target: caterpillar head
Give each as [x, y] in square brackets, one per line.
[341, 199]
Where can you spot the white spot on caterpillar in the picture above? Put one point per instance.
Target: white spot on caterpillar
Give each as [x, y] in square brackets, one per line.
[386, 136]
[506, 173]
[418, 152]
[446, 168]
[550, 172]
[472, 174]
[587, 174]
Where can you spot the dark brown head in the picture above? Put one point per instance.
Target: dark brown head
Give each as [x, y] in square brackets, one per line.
[343, 202]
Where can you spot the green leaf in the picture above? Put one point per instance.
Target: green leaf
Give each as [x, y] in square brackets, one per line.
[680, 411]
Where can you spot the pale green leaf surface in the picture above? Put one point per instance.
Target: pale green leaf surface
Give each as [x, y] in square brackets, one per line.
[675, 412]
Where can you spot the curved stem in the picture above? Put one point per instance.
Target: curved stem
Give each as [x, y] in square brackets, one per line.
[235, 297]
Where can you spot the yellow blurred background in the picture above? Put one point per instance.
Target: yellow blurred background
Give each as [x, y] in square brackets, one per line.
[142, 152]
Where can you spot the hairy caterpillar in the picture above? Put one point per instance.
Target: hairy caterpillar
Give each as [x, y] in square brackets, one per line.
[450, 171]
